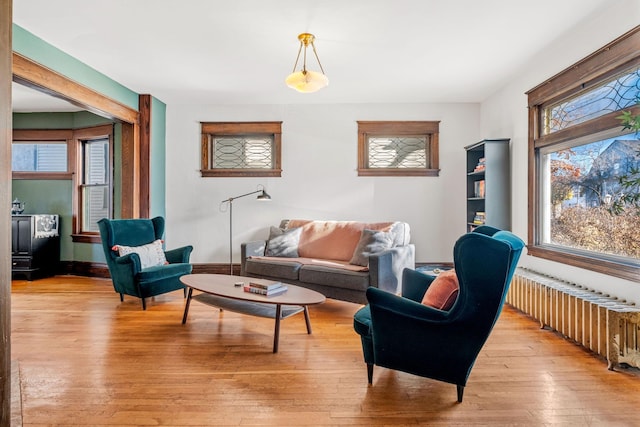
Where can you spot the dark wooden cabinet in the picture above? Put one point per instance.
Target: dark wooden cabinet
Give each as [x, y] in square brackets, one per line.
[489, 184]
[35, 245]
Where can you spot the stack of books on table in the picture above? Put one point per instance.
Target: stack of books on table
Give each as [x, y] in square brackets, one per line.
[270, 289]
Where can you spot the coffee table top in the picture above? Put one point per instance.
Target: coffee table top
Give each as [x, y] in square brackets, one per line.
[224, 285]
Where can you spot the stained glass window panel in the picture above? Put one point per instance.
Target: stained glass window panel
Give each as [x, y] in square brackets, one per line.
[398, 152]
[615, 94]
[242, 152]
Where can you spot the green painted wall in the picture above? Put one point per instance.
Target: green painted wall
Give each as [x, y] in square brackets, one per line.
[48, 197]
[77, 120]
[158, 158]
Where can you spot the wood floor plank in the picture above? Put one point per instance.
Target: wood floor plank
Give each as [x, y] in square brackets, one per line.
[87, 359]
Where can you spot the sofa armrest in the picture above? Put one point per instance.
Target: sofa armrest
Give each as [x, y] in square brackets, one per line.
[249, 249]
[385, 268]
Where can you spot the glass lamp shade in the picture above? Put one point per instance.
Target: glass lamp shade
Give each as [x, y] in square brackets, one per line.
[306, 81]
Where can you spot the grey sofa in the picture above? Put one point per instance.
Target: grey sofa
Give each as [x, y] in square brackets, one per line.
[339, 259]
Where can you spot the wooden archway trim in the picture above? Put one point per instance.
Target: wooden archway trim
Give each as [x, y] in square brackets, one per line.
[32, 74]
[39, 77]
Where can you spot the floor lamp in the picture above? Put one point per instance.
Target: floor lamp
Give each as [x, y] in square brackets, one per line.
[262, 196]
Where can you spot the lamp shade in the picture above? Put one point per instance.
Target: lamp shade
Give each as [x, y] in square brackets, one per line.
[264, 196]
[307, 81]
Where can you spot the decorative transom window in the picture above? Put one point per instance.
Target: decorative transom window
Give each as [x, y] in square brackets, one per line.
[405, 148]
[241, 149]
[584, 186]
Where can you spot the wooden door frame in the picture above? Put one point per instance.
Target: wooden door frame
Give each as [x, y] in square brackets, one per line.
[6, 8]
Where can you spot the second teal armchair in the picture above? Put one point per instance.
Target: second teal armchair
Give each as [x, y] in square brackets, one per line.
[128, 272]
[399, 332]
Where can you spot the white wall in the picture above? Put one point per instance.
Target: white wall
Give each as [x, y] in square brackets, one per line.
[319, 179]
[505, 113]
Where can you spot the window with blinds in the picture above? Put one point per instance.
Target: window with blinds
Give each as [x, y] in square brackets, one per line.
[40, 156]
[95, 185]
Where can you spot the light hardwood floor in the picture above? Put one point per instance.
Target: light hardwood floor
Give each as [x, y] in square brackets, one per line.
[87, 359]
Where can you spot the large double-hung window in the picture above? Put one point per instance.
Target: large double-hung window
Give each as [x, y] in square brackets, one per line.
[584, 175]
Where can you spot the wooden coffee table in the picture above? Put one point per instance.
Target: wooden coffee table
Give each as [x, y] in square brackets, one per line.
[219, 290]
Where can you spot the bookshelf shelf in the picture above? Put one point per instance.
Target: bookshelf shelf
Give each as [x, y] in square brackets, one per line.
[489, 184]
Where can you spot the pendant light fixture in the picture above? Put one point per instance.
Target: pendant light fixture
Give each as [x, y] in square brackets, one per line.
[306, 81]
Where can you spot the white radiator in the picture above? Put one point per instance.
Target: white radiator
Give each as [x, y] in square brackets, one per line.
[605, 325]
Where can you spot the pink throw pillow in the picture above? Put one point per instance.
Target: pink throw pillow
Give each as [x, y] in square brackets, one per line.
[443, 291]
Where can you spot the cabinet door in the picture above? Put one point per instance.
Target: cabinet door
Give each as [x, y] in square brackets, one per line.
[21, 235]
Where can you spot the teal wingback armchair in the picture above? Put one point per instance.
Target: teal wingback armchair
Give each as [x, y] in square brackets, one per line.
[401, 333]
[126, 271]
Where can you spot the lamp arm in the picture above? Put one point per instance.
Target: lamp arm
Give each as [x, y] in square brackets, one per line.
[231, 199]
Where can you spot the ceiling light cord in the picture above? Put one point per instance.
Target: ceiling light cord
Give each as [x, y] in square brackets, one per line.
[298, 58]
[316, 55]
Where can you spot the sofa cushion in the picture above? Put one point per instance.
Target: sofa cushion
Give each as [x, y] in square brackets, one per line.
[151, 254]
[283, 243]
[443, 291]
[371, 242]
[284, 270]
[333, 239]
[314, 261]
[334, 277]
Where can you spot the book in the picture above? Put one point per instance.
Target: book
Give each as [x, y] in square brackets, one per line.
[478, 189]
[479, 218]
[268, 286]
[269, 293]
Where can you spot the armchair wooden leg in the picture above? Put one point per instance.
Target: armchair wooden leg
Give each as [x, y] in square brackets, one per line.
[460, 392]
[144, 304]
[121, 298]
[185, 292]
[370, 372]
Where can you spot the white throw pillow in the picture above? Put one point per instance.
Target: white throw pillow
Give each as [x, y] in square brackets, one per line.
[150, 255]
[283, 243]
[371, 242]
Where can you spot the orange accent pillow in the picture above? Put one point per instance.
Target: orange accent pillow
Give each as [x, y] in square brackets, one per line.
[443, 291]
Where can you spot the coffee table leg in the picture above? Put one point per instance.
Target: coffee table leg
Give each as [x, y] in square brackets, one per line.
[307, 319]
[276, 334]
[186, 306]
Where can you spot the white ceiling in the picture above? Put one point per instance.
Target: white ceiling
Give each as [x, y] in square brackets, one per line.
[240, 51]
